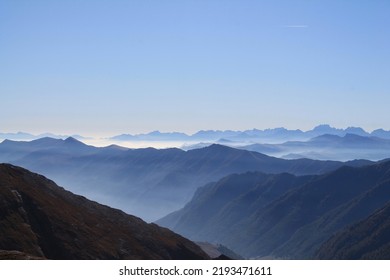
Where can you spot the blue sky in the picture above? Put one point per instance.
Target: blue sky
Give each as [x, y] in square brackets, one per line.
[109, 67]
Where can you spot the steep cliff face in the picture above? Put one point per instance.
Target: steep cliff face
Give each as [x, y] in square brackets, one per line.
[38, 219]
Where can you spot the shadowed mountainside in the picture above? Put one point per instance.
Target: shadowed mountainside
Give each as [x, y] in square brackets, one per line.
[281, 216]
[38, 219]
[367, 239]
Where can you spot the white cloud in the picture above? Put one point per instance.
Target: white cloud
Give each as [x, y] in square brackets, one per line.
[296, 26]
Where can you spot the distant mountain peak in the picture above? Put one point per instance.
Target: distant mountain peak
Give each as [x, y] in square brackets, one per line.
[8, 141]
[356, 130]
[71, 139]
[326, 128]
[218, 147]
[155, 132]
[322, 126]
[116, 147]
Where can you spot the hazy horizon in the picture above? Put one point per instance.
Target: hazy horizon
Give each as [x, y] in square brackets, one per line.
[187, 132]
[234, 139]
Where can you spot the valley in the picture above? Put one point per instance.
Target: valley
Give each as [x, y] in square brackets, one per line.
[256, 205]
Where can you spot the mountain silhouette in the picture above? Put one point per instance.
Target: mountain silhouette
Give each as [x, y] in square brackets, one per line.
[269, 135]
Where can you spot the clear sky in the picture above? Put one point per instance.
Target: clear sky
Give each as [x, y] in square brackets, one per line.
[107, 67]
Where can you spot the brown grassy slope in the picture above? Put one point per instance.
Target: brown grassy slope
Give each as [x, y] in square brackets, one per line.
[41, 219]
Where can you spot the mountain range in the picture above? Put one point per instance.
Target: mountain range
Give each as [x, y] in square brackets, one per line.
[134, 179]
[39, 220]
[288, 217]
[28, 136]
[323, 142]
[328, 147]
[270, 135]
[259, 206]
[255, 135]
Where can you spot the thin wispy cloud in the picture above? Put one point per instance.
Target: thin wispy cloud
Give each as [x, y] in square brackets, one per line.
[296, 26]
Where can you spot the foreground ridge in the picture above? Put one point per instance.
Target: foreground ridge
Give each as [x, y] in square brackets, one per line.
[41, 220]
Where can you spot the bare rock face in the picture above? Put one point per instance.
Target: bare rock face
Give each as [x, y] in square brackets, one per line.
[38, 219]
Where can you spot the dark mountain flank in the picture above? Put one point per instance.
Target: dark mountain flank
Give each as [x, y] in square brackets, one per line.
[38, 219]
[367, 239]
[281, 215]
[132, 180]
[218, 208]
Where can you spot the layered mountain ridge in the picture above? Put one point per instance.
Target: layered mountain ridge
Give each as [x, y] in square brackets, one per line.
[132, 179]
[328, 146]
[269, 134]
[282, 216]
